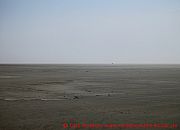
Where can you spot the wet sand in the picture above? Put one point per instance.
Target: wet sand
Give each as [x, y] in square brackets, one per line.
[42, 97]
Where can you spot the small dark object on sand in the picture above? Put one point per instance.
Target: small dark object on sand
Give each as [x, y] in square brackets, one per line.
[109, 95]
[87, 71]
[76, 97]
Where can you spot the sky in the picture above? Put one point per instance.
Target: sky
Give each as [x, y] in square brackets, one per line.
[90, 31]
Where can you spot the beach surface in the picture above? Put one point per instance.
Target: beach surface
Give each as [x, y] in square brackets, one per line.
[44, 97]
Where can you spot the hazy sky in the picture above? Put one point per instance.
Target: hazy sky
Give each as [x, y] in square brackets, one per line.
[90, 31]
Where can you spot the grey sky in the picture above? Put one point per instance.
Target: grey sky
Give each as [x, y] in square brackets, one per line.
[90, 31]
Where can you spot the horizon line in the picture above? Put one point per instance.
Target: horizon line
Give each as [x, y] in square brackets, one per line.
[90, 63]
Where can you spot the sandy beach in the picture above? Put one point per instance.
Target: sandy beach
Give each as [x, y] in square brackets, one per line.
[44, 97]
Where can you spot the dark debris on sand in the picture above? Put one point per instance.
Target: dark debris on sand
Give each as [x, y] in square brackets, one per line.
[76, 97]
